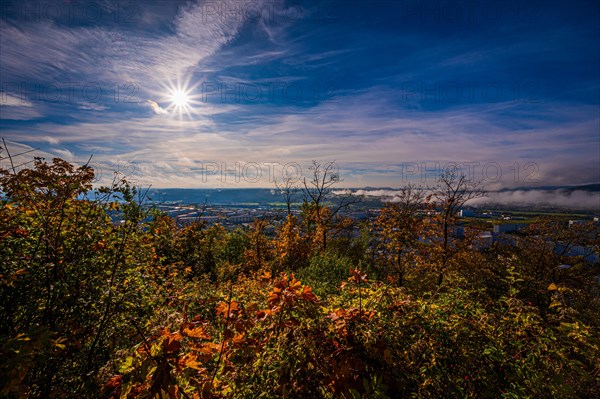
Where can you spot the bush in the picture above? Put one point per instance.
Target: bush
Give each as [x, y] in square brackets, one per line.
[326, 272]
[154, 310]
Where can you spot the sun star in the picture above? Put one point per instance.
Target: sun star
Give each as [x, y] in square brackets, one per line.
[179, 98]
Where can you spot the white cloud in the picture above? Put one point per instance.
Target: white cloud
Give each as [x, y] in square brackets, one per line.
[371, 146]
[16, 108]
[10, 100]
[157, 108]
[573, 199]
[87, 106]
[46, 52]
[372, 138]
[18, 113]
[50, 140]
[577, 199]
[64, 154]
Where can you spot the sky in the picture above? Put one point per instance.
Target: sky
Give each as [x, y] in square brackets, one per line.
[237, 93]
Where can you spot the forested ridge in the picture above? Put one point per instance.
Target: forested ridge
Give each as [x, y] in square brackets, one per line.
[93, 306]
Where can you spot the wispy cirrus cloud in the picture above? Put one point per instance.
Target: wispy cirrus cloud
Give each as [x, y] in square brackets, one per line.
[36, 53]
[284, 82]
[16, 108]
[368, 143]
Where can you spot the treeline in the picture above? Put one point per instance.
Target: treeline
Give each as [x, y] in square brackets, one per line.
[143, 308]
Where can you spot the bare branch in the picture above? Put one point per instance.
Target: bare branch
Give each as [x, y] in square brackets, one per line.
[288, 189]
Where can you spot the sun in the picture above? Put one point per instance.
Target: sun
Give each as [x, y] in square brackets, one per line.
[180, 98]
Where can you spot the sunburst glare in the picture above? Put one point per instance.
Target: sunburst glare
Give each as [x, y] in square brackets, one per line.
[181, 98]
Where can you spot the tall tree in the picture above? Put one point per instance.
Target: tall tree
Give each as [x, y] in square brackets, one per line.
[288, 189]
[452, 193]
[317, 191]
[400, 226]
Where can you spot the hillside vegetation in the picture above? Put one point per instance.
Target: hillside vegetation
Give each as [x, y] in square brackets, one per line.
[102, 297]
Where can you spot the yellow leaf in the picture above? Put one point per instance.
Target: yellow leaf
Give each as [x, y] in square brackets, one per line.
[198, 332]
[552, 287]
[59, 343]
[192, 362]
[266, 276]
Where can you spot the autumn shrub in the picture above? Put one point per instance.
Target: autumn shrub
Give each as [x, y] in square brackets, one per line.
[291, 247]
[100, 297]
[241, 348]
[70, 278]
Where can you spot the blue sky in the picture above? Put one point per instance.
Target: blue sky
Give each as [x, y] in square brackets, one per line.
[393, 91]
